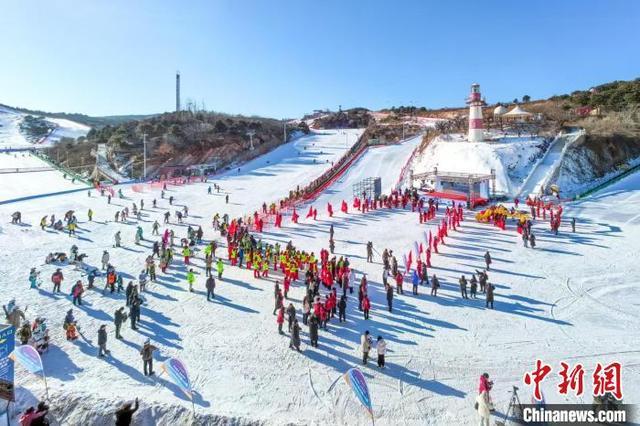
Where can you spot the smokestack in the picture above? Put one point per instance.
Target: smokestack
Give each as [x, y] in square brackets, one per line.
[177, 91]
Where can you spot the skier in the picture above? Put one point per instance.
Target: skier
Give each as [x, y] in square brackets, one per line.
[142, 280]
[117, 239]
[24, 333]
[119, 318]
[381, 348]
[102, 341]
[463, 287]
[365, 346]
[90, 215]
[532, 241]
[147, 358]
[573, 224]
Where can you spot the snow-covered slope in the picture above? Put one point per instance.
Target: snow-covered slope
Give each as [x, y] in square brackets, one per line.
[574, 298]
[33, 182]
[511, 158]
[547, 166]
[11, 137]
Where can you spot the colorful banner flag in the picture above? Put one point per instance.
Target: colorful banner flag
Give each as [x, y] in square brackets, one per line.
[29, 358]
[178, 373]
[355, 378]
[7, 344]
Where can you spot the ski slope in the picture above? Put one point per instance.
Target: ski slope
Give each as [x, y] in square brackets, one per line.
[543, 171]
[17, 185]
[574, 298]
[510, 157]
[384, 162]
[11, 137]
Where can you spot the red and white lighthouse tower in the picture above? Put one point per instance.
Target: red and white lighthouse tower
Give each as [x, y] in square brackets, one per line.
[476, 122]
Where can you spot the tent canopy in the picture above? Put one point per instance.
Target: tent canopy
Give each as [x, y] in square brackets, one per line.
[518, 112]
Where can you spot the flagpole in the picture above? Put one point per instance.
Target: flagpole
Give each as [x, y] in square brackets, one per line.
[46, 387]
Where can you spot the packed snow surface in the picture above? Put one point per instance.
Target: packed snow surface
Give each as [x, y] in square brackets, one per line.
[574, 298]
[35, 177]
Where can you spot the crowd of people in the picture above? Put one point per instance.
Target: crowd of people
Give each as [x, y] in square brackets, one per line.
[329, 280]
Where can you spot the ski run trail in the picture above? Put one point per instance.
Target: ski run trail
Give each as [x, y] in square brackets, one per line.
[574, 298]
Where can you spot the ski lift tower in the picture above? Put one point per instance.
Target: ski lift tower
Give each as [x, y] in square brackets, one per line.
[370, 187]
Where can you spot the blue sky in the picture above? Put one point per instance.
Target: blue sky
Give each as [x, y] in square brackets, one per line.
[282, 58]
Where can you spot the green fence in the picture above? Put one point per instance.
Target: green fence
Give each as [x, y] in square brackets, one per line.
[609, 182]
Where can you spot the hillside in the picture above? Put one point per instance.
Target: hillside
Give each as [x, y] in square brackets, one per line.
[175, 140]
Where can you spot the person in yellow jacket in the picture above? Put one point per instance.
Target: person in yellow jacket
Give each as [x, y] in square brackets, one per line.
[186, 253]
[191, 278]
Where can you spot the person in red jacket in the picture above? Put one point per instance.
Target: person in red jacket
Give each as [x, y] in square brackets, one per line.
[366, 305]
[399, 280]
[280, 319]
[56, 279]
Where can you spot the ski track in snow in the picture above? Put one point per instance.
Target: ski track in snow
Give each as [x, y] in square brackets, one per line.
[572, 298]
